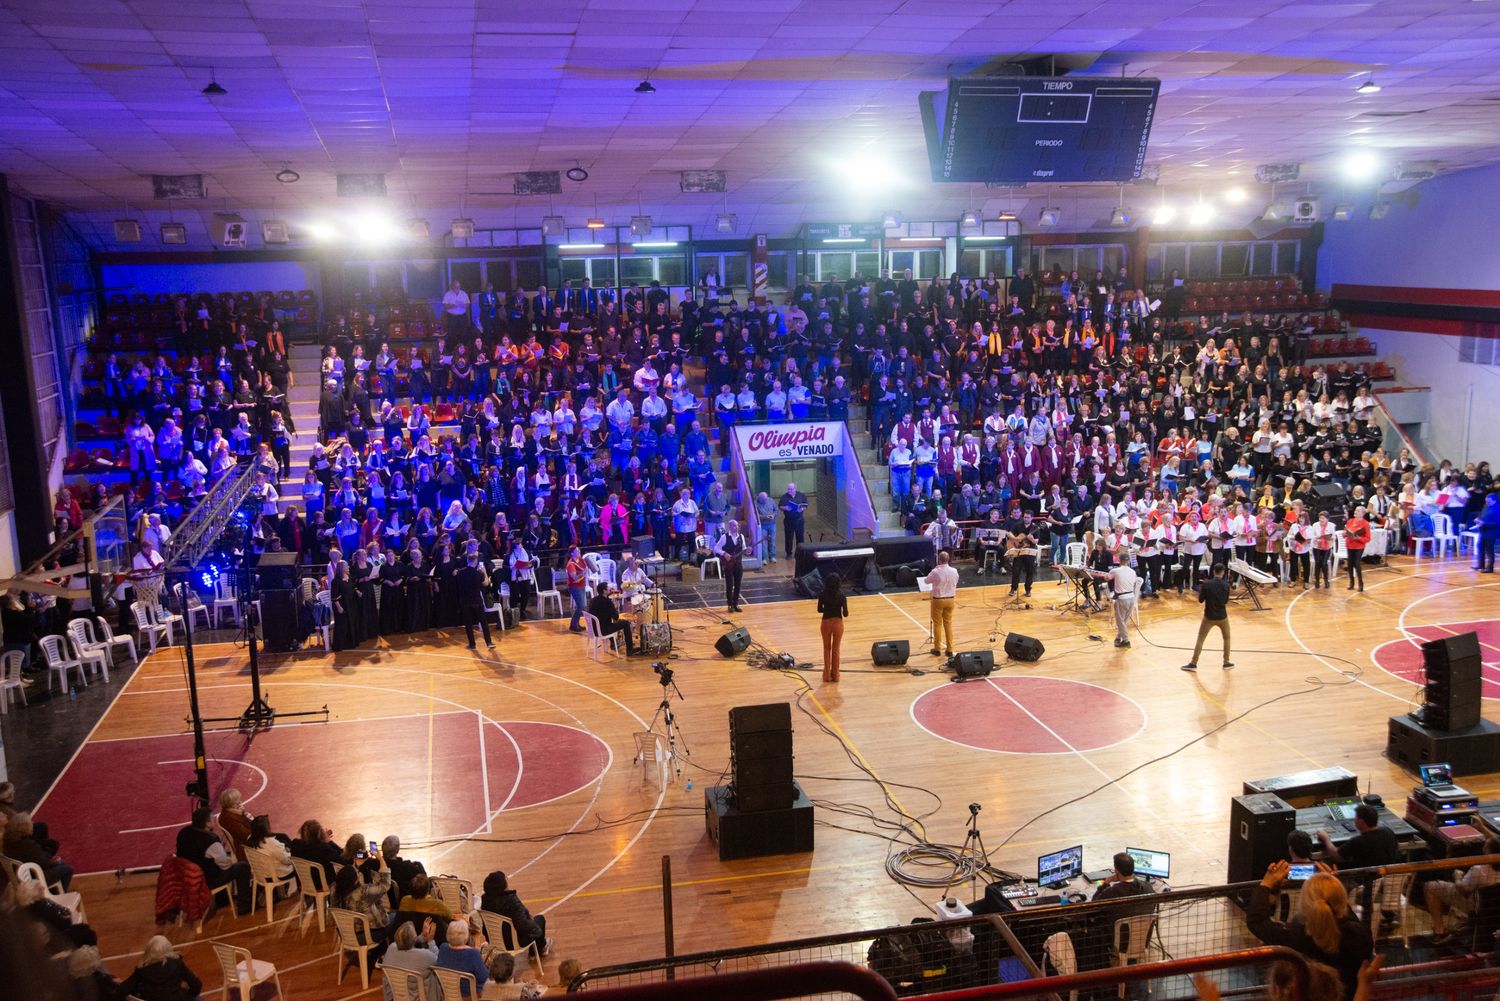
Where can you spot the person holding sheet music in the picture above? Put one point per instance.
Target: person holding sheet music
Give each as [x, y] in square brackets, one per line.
[1323, 535]
[730, 548]
[1299, 536]
[792, 505]
[1356, 540]
[1192, 536]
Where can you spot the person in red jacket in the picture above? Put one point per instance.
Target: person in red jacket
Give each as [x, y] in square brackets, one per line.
[1356, 538]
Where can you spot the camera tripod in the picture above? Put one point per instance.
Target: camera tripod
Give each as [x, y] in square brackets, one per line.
[972, 856]
[669, 719]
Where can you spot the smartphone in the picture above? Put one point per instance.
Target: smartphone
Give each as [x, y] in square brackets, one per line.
[374, 849]
[359, 856]
[1303, 871]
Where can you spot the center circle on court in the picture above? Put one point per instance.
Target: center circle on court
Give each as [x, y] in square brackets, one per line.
[1025, 714]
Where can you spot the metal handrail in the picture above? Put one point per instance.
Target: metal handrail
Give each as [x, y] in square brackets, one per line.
[798, 980]
[1110, 976]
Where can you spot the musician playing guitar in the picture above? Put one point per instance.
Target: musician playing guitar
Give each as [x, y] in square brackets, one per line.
[730, 549]
[1021, 550]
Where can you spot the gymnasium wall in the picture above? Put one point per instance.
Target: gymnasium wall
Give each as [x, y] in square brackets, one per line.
[1438, 235]
[239, 276]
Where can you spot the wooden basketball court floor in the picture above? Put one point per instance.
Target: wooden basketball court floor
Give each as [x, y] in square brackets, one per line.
[522, 759]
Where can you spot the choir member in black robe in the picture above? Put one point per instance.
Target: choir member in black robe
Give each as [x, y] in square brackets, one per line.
[345, 609]
[392, 597]
[418, 592]
[364, 574]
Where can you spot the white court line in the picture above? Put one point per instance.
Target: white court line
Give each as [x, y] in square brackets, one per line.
[1110, 779]
[264, 782]
[484, 773]
[1340, 671]
[1145, 718]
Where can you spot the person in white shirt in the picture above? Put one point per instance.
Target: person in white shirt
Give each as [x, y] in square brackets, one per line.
[1324, 535]
[1460, 896]
[456, 310]
[944, 531]
[944, 582]
[1192, 535]
[1242, 524]
[147, 558]
[1299, 539]
[620, 411]
[1122, 581]
[654, 409]
[1104, 516]
[156, 533]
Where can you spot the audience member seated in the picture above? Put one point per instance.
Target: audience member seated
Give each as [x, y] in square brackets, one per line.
[234, 821]
[314, 842]
[365, 893]
[1326, 930]
[91, 982]
[23, 844]
[201, 846]
[421, 901]
[1457, 897]
[502, 970]
[500, 899]
[402, 871]
[411, 953]
[457, 954]
[55, 922]
[276, 846]
[161, 975]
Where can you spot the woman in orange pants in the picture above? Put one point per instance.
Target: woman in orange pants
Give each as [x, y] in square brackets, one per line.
[834, 608]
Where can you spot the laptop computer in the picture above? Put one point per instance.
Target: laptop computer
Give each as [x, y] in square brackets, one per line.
[1437, 777]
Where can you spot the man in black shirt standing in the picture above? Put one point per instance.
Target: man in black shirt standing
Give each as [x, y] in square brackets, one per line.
[471, 579]
[1214, 596]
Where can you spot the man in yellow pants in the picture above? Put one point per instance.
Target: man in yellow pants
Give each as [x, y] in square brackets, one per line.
[944, 581]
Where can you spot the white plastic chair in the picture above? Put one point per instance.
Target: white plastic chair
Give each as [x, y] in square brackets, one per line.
[1390, 895]
[10, 679]
[108, 638]
[1442, 531]
[225, 601]
[95, 656]
[501, 934]
[149, 630]
[607, 569]
[243, 973]
[196, 610]
[1076, 554]
[264, 879]
[1132, 940]
[1340, 554]
[1468, 541]
[404, 985]
[88, 648]
[595, 641]
[553, 595]
[354, 936]
[164, 616]
[712, 562]
[59, 663]
[312, 885]
[654, 755]
[1059, 955]
[456, 894]
[452, 984]
[71, 902]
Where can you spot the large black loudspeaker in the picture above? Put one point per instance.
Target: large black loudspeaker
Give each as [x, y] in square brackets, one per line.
[278, 611]
[1018, 647]
[890, 653]
[733, 642]
[973, 663]
[1453, 687]
[740, 834]
[760, 757]
[276, 571]
[1327, 496]
[1473, 750]
[1258, 826]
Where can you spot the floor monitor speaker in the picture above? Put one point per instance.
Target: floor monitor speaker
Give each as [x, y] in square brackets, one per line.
[973, 664]
[890, 653]
[733, 642]
[1018, 647]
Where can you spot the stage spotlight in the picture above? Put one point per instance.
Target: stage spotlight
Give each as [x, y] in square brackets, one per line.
[1119, 217]
[1343, 213]
[462, 229]
[640, 225]
[374, 227]
[418, 229]
[1369, 86]
[1163, 215]
[868, 175]
[1379, 209]
[594, 222]
[970, 219]
[1201, 214]
[725, 222]
[644, 87]
[1236, 196]
[553, 225]
[1361, 165]
[890, 220]
[320, 231]
[1049, 217]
